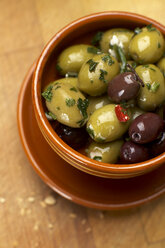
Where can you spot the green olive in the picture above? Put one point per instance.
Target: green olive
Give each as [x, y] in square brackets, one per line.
[104, 126]
[97, 102]
[72, 58]
[95, 74]
[106, 153]
[136, 112]
[65, 104]
[153, 94]
[147, 46]
[161, 65]
[116, 36]
[71, 80]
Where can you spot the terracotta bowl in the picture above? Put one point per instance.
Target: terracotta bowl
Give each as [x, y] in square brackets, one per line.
[81, 31]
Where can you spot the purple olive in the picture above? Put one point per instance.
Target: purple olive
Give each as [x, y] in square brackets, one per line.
[123, 87]
[133, 153]
[74, 137]
[158, 146]
[146, 128]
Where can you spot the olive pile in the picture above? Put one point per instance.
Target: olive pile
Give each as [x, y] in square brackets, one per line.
[110, 97]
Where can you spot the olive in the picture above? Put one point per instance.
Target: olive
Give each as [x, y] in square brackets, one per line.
[133, 153]
[95, 74]
[147, 46]
[158, 146]
[74, 137]
[67, 104]
[72, 58]
[106, 153]
[116, 36]
[153, 94]
[104, 126]
[146, 128]
[123, 87]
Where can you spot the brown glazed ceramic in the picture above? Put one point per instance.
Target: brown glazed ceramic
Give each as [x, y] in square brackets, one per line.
[81, 31]
[73, 184]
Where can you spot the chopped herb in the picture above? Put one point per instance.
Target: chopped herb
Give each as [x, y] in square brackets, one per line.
[150, 28]
[107, 58]
[48, 93]
[159, 46]
[58, 86]
[71, 74]
[58, 68]
[134, 64]
[81, 122]
[148, 86]
[92, 65]
[91, 81]
[137, 30]
[155, 87]
[127, 139]
[58, 108]
[127, 105]
[99, 139]
[50, 116]
[82, 106]
[152, 69]
[73, 89]
[93, 50]
[146, 66]
[70, 102]
[102, 74]
[98, 158]
[97, 38]
[90, 132]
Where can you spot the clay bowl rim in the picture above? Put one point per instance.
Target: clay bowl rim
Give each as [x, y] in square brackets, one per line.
[139, 168]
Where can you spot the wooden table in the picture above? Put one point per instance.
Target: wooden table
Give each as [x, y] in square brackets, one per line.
[26, 221]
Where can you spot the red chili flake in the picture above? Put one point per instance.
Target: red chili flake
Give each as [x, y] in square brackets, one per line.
[121, 114]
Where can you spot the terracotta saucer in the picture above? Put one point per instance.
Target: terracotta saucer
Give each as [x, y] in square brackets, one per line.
[75, 185]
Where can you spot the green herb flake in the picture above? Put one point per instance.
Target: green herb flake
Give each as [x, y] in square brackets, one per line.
[150, 28]
[93, 50]
[48, 93]
[90, 132]
[148, 86]
[159, 46]
[152, 69]
[58, 108]
[91, 81]
[73, 89]
[137, 30]
[146, 66]
[92, 65]
[50, 116]
[58, 86]
[134, 64]
[70, 102]
[82, 106]
[98, 158]
[107, 58]
[97, 38]
[99, 139]
[58, 68]
[71, 74]
[102, 74]
[155, 87]
[81, 122]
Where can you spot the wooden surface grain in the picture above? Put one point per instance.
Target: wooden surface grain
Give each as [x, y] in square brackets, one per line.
[25, 220]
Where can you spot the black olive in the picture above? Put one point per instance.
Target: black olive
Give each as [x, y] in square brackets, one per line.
[74, 137]
[157, 146]
[146, 128]
[123, 87]
[133, 153]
